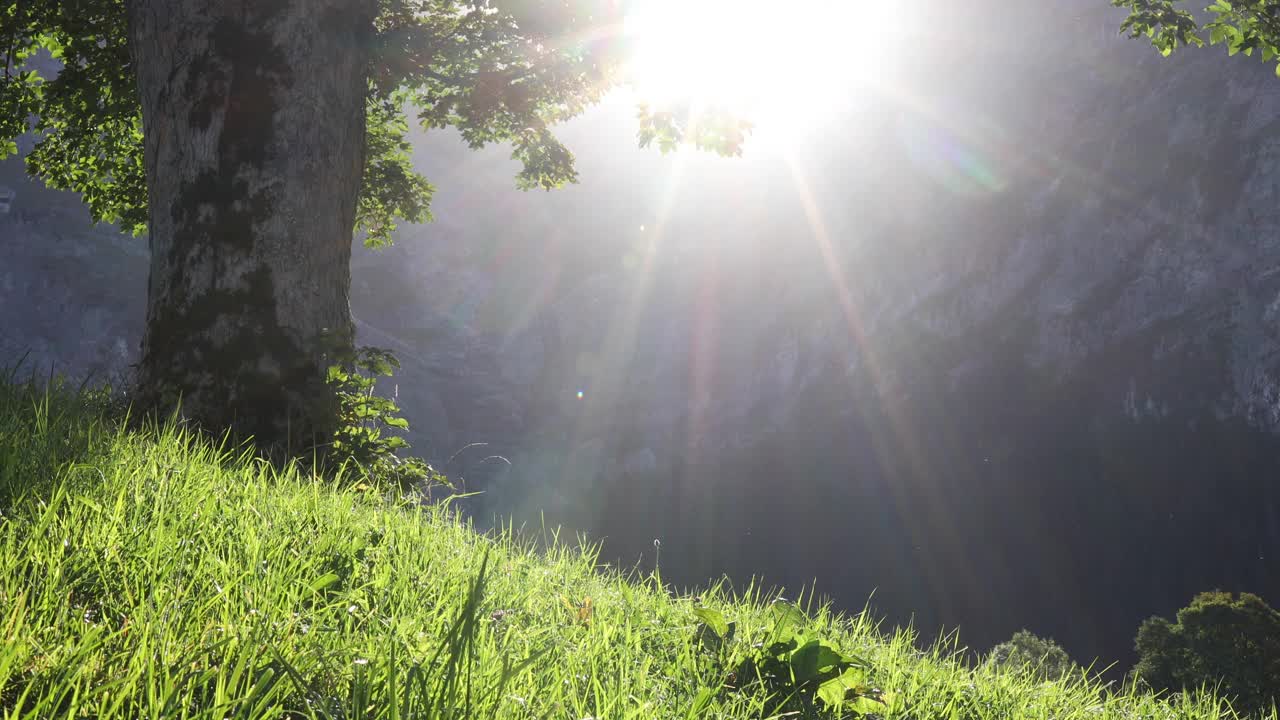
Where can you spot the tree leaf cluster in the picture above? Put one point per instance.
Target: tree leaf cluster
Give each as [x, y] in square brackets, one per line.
[499, 71]
[86, 117]
[1243, 26]
[1227, 642]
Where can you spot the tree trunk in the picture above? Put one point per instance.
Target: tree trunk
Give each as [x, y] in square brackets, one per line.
[254, 117]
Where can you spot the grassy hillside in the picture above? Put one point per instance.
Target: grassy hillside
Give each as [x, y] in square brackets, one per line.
[153, 576]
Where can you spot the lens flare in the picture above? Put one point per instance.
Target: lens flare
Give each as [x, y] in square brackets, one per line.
[778, 64]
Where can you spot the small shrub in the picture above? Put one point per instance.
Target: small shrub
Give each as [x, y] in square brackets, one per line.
[1038, 657]
[367, 422]
[799, 674]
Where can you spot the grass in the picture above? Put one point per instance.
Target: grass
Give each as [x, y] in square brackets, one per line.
[152, 575]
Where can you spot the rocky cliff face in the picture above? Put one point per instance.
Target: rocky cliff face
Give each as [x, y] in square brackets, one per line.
[1000, 340]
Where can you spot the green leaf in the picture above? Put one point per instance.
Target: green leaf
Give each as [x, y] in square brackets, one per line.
[786, 617]
[323, 582]
[814, 659]
[714, 620]
[866, 705]
[701, 702]
[834, 691]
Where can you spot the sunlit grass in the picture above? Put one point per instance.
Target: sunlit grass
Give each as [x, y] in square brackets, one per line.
[150, 575]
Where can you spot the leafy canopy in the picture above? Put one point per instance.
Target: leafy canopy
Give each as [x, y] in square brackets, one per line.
[1244, 26]
[1219, 640]
[499, 71]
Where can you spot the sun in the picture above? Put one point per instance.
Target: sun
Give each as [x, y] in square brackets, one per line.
[776, 63]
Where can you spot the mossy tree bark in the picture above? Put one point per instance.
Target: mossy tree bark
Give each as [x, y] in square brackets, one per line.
[254, 116]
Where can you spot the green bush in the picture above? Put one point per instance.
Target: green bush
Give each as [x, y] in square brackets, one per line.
[1041, 658]
[1220, 640]
[367, 422]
